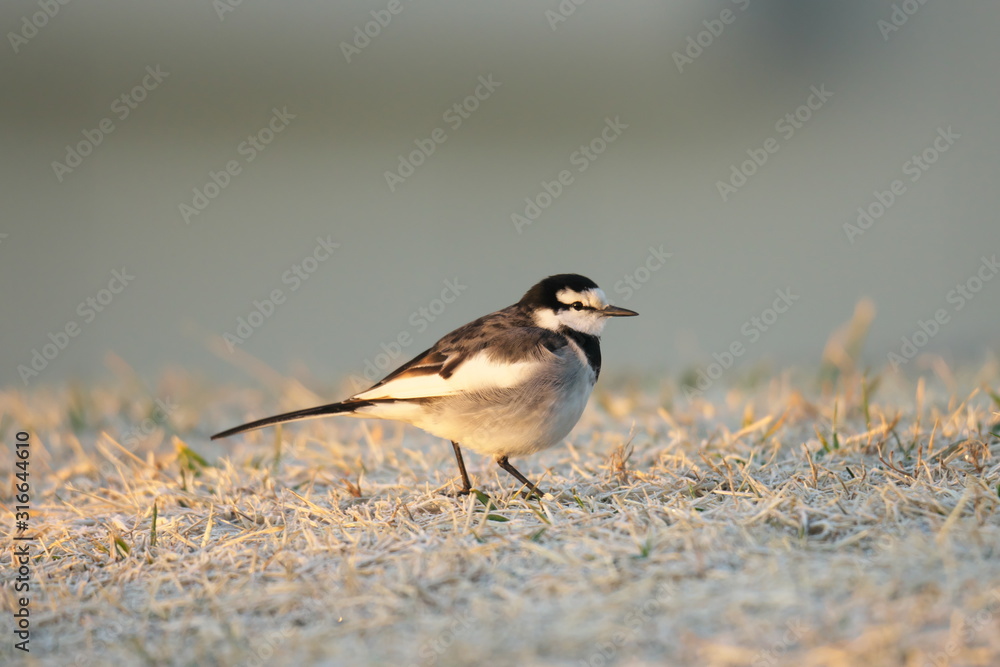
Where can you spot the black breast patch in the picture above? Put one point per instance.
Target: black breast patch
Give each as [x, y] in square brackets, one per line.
[590, 344]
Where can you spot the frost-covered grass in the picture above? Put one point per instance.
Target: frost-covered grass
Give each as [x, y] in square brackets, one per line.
[785, 522]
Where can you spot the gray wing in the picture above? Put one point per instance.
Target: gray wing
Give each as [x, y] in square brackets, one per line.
[496, 341]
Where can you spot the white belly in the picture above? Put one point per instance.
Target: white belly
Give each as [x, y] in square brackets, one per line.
[508, 422]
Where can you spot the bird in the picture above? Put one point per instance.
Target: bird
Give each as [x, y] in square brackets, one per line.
[509, 384]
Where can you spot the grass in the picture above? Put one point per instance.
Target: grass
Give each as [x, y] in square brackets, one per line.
[847, 521]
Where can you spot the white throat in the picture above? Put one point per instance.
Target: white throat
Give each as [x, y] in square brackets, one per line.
[585, 321]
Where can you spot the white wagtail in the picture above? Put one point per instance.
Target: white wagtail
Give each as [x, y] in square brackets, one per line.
[511, 383]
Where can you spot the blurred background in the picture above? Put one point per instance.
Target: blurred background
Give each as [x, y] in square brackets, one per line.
[120, 120]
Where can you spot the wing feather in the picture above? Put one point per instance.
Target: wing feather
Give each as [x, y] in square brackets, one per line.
[485, 354]
[478, 373]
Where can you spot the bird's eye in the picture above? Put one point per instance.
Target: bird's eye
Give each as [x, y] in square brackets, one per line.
[577, 305]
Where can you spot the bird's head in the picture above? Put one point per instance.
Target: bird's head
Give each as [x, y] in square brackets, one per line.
[572, 301]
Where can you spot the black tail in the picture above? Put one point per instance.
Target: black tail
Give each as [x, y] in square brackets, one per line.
[298, 415]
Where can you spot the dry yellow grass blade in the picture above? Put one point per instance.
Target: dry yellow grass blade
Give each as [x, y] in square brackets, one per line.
[779, 526]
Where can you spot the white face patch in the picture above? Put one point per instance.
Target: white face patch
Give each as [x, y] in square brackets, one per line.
[593, 297]
[547, 319]
[589, 320]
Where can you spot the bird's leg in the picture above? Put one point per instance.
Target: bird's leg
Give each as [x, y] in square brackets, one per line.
[466, 486]
[505, 464]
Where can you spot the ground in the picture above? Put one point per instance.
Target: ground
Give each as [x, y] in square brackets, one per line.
[782, 519]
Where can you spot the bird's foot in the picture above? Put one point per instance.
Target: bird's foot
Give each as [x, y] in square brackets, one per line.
[460, 493]
[531, 494]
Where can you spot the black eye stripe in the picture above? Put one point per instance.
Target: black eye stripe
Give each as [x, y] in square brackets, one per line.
[576, 305]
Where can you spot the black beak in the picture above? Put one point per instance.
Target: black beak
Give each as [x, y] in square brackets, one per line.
[615, 311]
